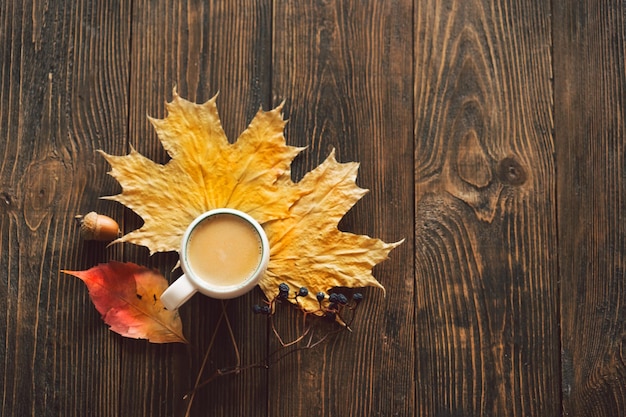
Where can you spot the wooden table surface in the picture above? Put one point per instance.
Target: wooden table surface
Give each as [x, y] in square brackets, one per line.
[491, 135]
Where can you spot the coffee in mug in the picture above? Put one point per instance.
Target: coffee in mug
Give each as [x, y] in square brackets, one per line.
[224, 252]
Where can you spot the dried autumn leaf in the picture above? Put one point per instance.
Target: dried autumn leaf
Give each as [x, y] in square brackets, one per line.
[307, 248]
[205, 172]
[251, 175]
[128, 297]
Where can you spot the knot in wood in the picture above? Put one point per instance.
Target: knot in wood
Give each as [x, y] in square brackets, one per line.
[43, 184]
[6, 199]
[511, 172]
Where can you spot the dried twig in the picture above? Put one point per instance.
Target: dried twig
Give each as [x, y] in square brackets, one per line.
[333, 312]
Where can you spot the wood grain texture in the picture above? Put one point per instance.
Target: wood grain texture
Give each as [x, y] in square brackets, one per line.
[487, 300]
[63, 68]
[344, 68]
[590, 78]
[200, 48]
[507, 297]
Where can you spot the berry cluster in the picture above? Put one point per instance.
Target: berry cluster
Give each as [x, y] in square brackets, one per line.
[331, 306]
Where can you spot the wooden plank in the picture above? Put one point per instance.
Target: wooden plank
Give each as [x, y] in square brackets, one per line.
[344, 69]
[64, 71]
[487, 314]
[590, 78]
[200, 48]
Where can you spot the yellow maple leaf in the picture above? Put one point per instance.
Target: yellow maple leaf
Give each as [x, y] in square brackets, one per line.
[308, 250]
[252, 175]
[205, 172]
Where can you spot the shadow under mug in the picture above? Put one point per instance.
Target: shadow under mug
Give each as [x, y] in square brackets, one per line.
[224, 253]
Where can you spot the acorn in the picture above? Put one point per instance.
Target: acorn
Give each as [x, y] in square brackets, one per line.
[94, 226]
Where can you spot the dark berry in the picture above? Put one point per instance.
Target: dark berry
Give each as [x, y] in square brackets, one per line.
[283, 291]
[341, 299]
[261, 309]
[320, 296]
[333, 298]
[357, 297]
[303, 292]
[333, 307]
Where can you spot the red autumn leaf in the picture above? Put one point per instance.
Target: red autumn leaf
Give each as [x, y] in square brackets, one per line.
[128, 297]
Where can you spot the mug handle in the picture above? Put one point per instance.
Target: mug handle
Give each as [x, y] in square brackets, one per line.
[178, 293]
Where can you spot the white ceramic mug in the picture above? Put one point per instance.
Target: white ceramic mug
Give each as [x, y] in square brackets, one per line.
[224, 253]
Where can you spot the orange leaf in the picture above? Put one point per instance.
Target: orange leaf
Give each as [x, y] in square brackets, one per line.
[128, 297]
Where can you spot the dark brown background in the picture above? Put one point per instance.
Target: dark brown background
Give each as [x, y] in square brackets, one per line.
[490, 133]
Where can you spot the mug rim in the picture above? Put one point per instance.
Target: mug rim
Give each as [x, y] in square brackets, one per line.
[227, 291]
